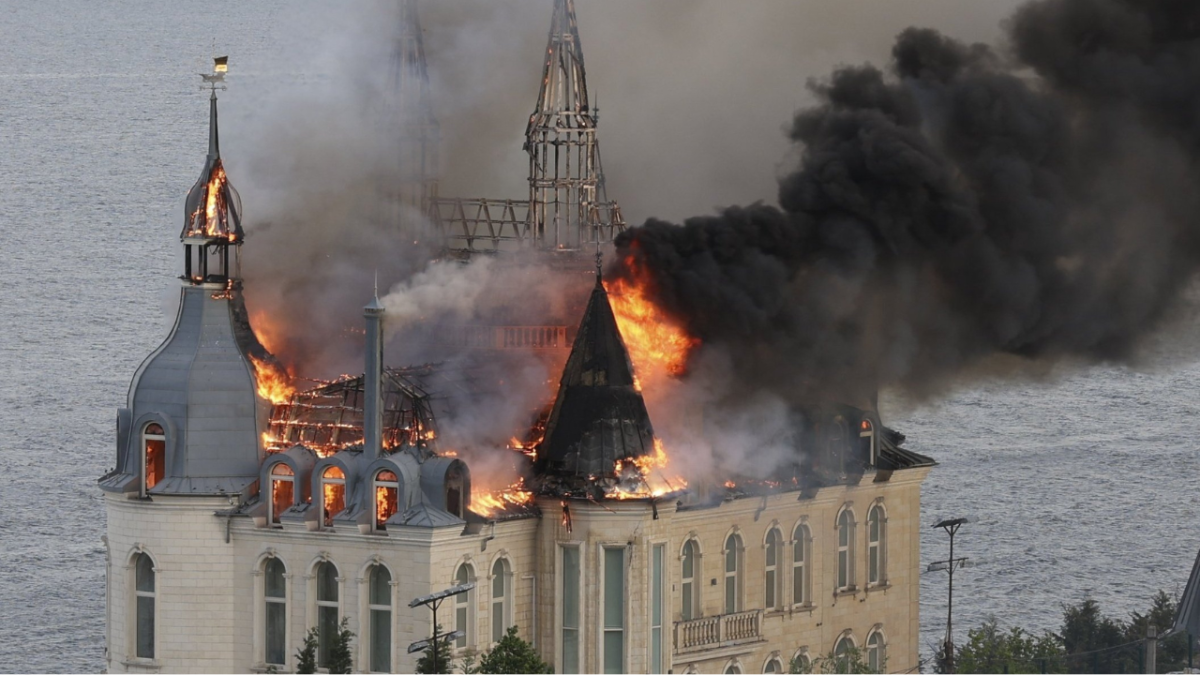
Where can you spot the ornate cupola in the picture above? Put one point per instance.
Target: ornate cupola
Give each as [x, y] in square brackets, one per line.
[599, 416]
[212, 222]
[193, 421]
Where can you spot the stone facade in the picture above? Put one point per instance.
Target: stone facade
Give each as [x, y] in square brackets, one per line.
[209, 600]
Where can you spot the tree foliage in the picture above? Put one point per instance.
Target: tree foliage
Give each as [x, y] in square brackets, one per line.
[513, 655]
[441, 649]
[992, 650]
[1087, 642]
[306, 656]
[340, 658]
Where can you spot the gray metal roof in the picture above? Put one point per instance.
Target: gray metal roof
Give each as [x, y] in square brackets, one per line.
[200, 388]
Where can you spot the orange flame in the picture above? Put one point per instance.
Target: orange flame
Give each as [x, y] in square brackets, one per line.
[273, 382]
[211, 217]
[657, 343]
[650, 475]
[488, 504]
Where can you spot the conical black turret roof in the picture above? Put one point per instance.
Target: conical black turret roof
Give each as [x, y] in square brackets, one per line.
[599, 416]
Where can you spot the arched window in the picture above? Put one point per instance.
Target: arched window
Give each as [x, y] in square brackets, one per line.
[842, 654]
[501, 605]
[866, 435]
[691, 585]
[876, 546]
[733, 669]
[876, 652]
[154, 456]
[774, 665]
[800, 662]
[387, 498]
[327, 611]
[733, 574]
[283, 486]
[800, 543]
[144, 595]
[773, 579]
[845, 569]
[379, 602]
[455, 491]
[333, 491]
[462, 607]
[275, 595]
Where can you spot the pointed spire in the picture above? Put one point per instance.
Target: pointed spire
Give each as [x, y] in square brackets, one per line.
[599, 416]
[563, 97]
[214, 141]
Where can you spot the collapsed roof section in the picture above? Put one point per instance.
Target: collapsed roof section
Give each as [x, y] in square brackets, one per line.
[599, 416]
[329, 418]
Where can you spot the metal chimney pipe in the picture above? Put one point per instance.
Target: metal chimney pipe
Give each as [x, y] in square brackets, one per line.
[373, 381]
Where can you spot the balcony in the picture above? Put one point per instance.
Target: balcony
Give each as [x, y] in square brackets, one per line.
[713, 632]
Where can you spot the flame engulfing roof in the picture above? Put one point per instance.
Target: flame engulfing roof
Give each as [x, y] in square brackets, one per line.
[599, 417]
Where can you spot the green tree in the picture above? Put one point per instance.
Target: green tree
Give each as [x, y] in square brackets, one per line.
[306, 656]
[513, 655]
[1172, 651]
[992, 650]
[1094, 642]
[425, 664]
[340, 658]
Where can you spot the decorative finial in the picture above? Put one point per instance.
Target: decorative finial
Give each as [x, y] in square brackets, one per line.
[599, 263]
[376, 283]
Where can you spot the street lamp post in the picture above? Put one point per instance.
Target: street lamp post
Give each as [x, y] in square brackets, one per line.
[951, 527]
[433, 602]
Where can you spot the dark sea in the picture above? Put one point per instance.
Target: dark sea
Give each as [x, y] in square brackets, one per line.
[1080, 484]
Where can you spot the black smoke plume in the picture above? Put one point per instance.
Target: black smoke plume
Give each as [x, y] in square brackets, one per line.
[1035, 199]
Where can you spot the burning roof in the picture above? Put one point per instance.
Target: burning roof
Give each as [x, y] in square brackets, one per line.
[599, 417]
[213, 209]
[330, 417]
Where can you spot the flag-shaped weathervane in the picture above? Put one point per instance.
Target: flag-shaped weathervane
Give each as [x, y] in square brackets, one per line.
[220, 67]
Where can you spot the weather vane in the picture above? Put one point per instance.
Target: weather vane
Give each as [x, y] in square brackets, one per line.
[220, 67]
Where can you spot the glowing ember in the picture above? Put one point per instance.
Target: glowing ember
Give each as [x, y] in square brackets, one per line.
[656, 343]
[489, 504]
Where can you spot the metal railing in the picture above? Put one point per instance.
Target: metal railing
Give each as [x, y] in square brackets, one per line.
[711, 632]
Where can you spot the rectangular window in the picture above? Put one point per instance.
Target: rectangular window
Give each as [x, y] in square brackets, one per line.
[656, 607]
[570, 609]
[614, 610]
[327, 630]
[145, 627]
[381, 641]
[276, 631]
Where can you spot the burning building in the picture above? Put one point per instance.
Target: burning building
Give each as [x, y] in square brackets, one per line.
[244, 509]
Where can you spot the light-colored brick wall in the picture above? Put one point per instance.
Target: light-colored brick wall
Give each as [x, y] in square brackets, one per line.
[210, 604]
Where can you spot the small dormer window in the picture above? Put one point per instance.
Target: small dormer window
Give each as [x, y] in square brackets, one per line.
[154, 456]
[333, 491]
[387, 498]
[283, 490]
[454, 491]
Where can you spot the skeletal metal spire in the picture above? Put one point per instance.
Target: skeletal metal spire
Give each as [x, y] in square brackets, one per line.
[419, 133]
[568, 206]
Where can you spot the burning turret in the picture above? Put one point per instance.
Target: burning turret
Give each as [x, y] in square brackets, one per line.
[599, 424]
[198, 405]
